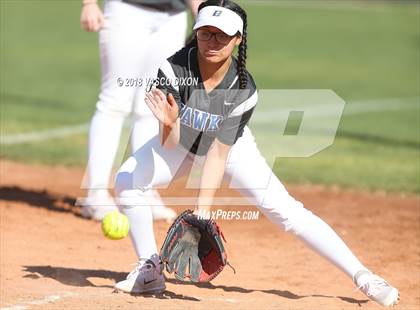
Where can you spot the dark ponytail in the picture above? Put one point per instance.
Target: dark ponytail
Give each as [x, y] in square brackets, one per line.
[243, 77]
[228, 4]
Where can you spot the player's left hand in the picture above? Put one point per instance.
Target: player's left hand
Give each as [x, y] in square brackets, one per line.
[165, 109]
[196, 244]
[185, 255]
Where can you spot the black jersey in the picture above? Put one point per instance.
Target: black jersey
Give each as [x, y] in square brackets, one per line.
[221, 113]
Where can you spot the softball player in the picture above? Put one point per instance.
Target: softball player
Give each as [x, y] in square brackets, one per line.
[135, 36]
[206, 124]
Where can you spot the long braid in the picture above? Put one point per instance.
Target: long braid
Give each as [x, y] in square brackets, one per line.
[243, 77]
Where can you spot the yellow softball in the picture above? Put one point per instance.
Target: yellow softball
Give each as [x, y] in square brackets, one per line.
[115, 225]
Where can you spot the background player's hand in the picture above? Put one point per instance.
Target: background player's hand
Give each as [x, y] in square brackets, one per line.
[91, 18]
[165, 109]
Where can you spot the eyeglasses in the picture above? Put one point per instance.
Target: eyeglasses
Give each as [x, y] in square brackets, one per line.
[221, 37]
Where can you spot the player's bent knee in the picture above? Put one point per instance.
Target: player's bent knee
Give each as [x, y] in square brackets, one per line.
[131, 198]
[124, 179]
[129, 195]
[123, 182]
[126, 195]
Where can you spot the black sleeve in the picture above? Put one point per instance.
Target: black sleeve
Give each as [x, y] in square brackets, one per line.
[163, 83]
[233, 128]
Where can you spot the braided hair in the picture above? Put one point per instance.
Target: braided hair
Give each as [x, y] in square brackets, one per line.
[241, 65]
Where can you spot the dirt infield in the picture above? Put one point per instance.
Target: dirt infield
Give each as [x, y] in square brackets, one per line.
[51, 258]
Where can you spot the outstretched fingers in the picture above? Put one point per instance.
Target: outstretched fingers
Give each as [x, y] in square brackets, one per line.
[156, 106]
[150, 101]
[182, 266]
[195, 268]
[159, 94]
[173, 257]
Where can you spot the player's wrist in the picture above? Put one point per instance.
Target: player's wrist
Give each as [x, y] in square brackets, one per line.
[169, 123]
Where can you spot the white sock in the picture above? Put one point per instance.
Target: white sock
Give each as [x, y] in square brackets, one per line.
[141, 230]
[104, 138]
[139, 215]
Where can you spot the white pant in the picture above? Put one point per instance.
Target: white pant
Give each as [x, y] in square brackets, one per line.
[133, 43]
[153, 166]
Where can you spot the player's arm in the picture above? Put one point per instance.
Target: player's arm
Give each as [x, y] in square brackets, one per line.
[169, 134]
[214, 166]
[212, 174]
[165, 109]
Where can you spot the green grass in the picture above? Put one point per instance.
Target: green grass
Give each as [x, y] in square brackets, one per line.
[70, 151]
[359, 54]
[375, 166]
[49, 78]
[50, 68]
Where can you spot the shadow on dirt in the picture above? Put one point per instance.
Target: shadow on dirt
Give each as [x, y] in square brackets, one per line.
[80, 277]
[73, 276]
[284, 294]
[166, 295]
[41, 199]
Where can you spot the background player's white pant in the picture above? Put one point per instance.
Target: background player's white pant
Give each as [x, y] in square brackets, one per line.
[134, 42]
[152, 166]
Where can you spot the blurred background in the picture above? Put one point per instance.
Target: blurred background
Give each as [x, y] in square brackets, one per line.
[368, 52]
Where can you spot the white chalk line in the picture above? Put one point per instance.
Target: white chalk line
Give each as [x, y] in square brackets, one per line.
[263, 116]
[25, 305]
[42, 135]
[42, 301]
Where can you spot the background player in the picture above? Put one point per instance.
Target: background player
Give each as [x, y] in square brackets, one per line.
[135, 37]
[196, 125]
